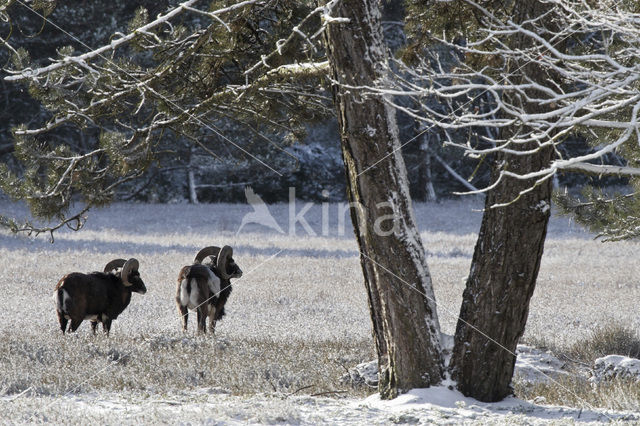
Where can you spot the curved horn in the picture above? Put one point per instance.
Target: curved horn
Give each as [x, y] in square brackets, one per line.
[207, 251]
[115, 263]
[131, 265]
[225, 254]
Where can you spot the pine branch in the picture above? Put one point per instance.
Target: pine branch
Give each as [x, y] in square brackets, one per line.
[74, 223]
[121, 41]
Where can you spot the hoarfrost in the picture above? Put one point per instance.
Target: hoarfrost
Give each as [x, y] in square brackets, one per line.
[543, 206]
[616, 366]
[371, 131]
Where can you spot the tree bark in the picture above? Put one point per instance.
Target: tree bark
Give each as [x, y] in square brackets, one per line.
[398, 283]
[505, 262]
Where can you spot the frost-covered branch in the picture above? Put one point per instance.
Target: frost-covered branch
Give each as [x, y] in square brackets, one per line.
[164, 84]
[590, 85]
[74, 222]
[123, 40]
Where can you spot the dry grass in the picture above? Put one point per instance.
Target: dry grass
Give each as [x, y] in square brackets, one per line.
[295, 321]
[610, 339]
[160, 364]
[616, 394]
[579, 392]
[282, 332]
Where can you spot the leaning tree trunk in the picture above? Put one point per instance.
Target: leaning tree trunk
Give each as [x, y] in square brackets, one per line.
[503, 274]
[401, 300]
[505, 262]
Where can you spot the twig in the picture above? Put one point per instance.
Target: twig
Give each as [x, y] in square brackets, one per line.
[574, 361]
[300, 389]
[328, 393]
[346, 370]
[14, 397]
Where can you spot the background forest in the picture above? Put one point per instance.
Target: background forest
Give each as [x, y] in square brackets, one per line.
[308, 156]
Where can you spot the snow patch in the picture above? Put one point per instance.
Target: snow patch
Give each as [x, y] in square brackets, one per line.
[616, 366]
[436, 405]
[534, 365]
[543, 206]
[440, 405]
[371, 131]
[365, 373]
[446, 342]
[421, 399]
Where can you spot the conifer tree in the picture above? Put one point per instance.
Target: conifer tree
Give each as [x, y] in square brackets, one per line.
[532, 73]
[191, 75]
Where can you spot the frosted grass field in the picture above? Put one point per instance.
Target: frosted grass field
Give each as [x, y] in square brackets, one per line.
[295, 322]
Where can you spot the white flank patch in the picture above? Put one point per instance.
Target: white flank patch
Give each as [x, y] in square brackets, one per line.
[65, 298]
[194, 295]
[214, 283]
[191, 299]
[91, 317]
[184, 294]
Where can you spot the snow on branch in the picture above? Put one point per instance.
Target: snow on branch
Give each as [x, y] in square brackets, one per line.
[576, 71]
[602, 169]
[168, 86]
[325, 14]
[123, 39]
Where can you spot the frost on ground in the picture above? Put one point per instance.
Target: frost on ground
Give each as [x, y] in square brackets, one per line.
[616, 366]
[532, 366]
[296, 321]
[438, 405]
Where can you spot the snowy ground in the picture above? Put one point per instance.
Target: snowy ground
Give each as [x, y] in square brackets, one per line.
[214, 406]
[296, 320]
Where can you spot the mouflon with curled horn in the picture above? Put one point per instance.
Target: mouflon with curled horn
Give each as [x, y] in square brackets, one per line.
[98, 296]
[205, 287]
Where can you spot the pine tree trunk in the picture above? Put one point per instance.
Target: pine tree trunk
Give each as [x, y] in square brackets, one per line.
[503, 275]
[193, 196]
[397, 279]
[426, 178]
[505, 263]
[191, 180]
